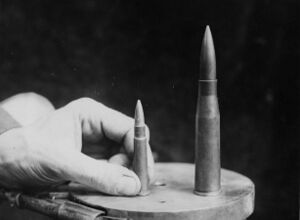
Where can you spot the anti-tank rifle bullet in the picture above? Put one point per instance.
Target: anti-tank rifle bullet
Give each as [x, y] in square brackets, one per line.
[207, 141]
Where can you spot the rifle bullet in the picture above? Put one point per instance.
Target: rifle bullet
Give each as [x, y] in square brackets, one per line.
[140, 149]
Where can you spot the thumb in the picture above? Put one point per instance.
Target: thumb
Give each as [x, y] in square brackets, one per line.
[103, 176]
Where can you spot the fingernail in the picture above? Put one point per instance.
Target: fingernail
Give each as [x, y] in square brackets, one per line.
[129, 185]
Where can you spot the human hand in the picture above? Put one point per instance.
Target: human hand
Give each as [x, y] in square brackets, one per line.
[48, 151]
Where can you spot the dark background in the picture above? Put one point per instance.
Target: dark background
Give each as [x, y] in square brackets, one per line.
[119, 51]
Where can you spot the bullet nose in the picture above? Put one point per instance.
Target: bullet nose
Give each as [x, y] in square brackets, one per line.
[207, 57]
[139, 114]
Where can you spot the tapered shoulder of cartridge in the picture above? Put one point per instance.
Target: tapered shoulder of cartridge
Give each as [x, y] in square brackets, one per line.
[207, 57]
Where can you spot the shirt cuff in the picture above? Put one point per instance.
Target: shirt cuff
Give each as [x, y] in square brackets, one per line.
[7, 122]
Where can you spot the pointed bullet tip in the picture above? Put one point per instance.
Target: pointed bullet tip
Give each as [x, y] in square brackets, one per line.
[207, 28]
[207, 57]
[139, 114]
[139, 106]
[207, 35]
[138, 102]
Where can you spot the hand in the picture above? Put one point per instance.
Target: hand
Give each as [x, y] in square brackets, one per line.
[48, 152]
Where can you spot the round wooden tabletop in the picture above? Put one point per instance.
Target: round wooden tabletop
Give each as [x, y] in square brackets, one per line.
[172, 197]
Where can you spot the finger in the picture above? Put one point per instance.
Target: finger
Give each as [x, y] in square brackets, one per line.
[123, 160]
[97, 120]
[120, 159]
[103, 176]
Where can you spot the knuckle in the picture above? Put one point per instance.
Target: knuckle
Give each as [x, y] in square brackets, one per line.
[81, 103]
[85, 101]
